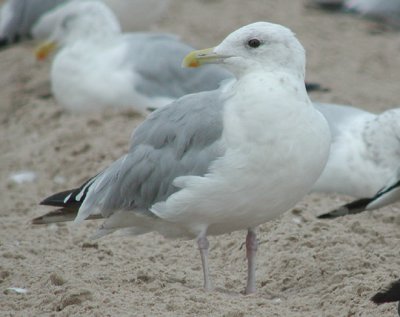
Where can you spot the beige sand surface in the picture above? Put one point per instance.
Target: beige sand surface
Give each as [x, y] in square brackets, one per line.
[306, 267]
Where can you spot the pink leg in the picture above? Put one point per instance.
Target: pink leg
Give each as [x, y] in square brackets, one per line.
[203, 245]
[251, 251]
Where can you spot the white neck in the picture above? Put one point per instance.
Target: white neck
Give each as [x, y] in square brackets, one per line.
[274, 98]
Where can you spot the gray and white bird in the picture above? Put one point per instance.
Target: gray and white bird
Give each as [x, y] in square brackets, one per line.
[218, 161]
[97, 66]
[364, 157]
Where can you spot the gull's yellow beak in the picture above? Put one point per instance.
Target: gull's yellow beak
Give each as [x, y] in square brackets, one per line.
[44, 50]
[200, 57]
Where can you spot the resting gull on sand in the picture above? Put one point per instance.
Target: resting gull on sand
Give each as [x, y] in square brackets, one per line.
[218, 161]
[97, 66]
[364, 157]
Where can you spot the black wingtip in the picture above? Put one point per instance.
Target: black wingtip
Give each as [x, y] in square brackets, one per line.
[9, 40]
[61, 215]
[58, 199]
[315, 87]
[3, 42]
[38, 221]
[333, 5]
[340, 212]
[355, 207]
[388, 295]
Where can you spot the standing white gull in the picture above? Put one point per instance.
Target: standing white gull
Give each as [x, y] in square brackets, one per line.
[218, 161]
[364, 156]
[97, 66]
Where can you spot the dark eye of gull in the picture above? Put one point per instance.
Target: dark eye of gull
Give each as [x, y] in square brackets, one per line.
[254, 43]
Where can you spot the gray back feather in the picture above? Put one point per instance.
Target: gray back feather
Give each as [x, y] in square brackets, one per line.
[338, 115]
[180, 139]
[157, 59]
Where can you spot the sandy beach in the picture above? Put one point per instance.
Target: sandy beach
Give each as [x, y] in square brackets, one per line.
[306, 267]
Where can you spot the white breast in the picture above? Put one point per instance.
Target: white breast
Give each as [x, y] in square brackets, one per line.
[275, 152]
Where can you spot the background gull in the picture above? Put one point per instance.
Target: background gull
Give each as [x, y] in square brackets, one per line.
[23, 18]
[364, 156]
[386, 11]
[98, 66]
[218, 161]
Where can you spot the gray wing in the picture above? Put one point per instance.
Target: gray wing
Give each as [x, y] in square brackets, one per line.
[18, 16]
[157, 58]
[338, 116]
[183, 138]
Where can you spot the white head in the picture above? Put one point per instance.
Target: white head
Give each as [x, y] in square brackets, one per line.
[80, 20]
[258, 46]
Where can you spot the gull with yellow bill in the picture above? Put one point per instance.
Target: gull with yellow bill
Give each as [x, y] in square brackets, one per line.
[97, 66]
[217, 161]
